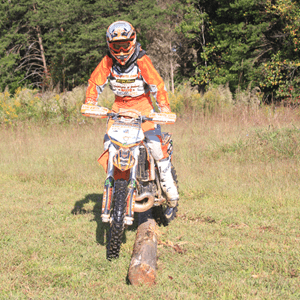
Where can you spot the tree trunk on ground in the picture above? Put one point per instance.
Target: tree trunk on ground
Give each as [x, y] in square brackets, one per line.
[142, 269]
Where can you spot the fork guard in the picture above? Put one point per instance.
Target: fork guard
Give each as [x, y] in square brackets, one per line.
[141, 207]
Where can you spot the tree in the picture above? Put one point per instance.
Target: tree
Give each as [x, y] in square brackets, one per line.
[240, 42]
[13, 40]
[227, 38]
[164, 42]
[279, 76]
[58, 43]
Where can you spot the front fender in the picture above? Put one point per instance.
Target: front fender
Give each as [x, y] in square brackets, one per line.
[118, 174]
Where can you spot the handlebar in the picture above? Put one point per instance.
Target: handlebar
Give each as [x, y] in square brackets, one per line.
[116, 115]
[103, 112]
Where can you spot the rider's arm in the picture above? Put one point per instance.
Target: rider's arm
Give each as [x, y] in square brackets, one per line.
[98, 80]
[155, 82]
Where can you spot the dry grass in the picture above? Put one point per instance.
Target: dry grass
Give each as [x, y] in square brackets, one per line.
[249, 154]
[236, 237]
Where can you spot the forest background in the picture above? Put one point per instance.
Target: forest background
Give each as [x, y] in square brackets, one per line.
[56, 44]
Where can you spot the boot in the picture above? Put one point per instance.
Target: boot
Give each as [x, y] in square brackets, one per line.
[167, 182]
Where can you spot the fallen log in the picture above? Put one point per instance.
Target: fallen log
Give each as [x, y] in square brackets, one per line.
[142, 269]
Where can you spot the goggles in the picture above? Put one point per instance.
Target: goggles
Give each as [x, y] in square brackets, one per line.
[118, 46]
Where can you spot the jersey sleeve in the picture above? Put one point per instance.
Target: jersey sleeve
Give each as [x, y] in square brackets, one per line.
[98, 80]
[155, 83]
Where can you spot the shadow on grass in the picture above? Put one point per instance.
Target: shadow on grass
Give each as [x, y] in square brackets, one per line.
[102, 229]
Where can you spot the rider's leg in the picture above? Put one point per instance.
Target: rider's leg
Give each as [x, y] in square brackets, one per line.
[163, 161]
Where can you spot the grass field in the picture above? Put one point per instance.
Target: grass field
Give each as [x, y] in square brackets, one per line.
[237, 235]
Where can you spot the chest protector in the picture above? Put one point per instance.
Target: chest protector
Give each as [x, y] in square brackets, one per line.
[128, 80]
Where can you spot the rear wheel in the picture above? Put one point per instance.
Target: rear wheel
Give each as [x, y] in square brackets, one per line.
[117, 225]
[164, 214]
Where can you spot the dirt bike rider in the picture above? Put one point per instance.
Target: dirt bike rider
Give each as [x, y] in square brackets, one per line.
[132, 78]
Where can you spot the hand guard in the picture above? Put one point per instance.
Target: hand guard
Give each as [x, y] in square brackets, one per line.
[162, 118]
[94, 111]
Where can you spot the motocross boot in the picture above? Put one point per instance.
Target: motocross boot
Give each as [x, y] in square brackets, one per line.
[167, 182]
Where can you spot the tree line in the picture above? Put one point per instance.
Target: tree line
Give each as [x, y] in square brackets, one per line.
[245, 44]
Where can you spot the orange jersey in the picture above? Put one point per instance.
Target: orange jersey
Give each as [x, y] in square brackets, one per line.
[132, 86]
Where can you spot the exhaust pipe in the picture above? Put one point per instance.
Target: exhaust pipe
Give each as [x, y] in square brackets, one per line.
[141, 207]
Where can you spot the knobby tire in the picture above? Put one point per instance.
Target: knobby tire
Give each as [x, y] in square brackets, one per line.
[117, 225]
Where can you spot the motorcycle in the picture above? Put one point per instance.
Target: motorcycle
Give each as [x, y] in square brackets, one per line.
[133, 182]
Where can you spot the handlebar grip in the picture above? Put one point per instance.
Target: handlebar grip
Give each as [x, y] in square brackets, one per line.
[145, 119]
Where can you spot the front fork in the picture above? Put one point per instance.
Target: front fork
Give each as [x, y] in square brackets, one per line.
[107, 198]
[109, 188]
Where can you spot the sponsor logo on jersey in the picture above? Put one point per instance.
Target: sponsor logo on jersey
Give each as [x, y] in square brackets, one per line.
[125, 80]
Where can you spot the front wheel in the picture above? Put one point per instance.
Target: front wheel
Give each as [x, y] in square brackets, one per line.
[117, 224]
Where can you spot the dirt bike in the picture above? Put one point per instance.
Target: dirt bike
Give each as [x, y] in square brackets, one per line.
[133, 182]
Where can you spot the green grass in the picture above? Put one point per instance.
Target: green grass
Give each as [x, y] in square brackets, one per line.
[237, 235]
